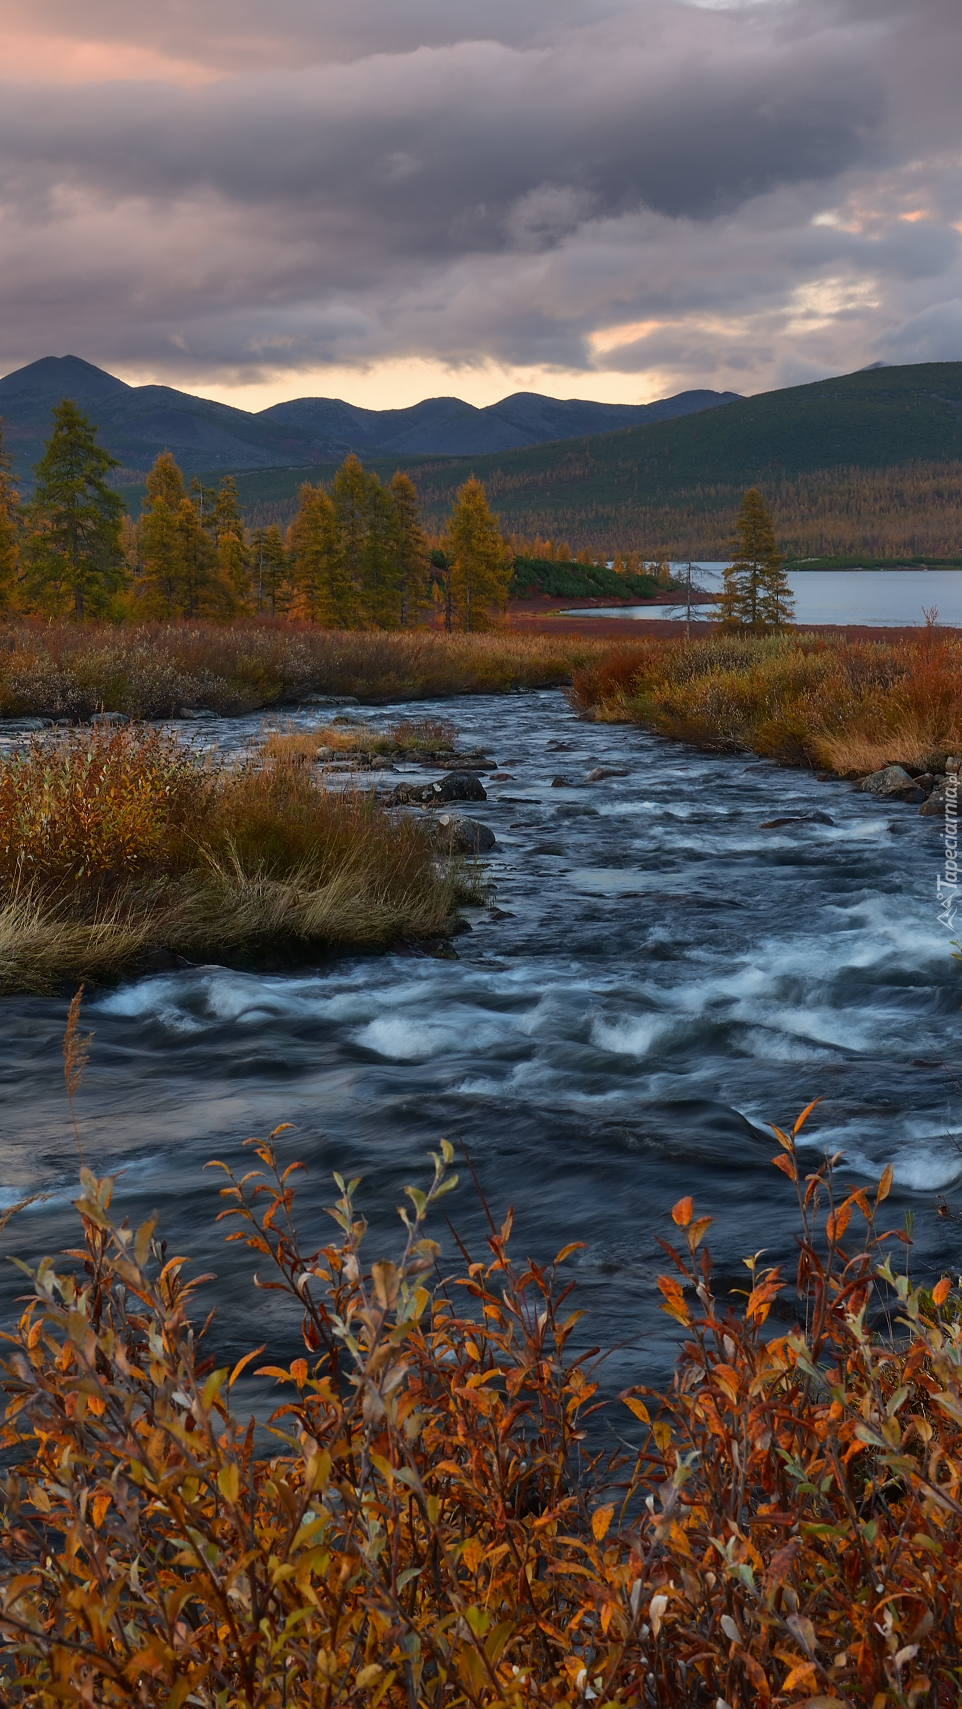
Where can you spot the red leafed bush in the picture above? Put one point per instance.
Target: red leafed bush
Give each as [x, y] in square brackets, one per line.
[425, 1521]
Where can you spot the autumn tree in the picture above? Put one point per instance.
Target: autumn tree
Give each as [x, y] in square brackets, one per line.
[9, 530]
[74, 553]
[480, 563]
[350, 495]
[270, 572]
[756, 594]
[321, 591]
[412, 565]
[177, 554]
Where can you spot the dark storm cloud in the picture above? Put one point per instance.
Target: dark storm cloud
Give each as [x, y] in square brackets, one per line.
[385, 183]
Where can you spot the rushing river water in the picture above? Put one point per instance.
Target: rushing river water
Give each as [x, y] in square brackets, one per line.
[657, 978]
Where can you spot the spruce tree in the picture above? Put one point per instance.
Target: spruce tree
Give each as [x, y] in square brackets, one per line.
[756, 595]
[74, 552]
[413, 565]
[9, 531]
[480, 564]
[350, 497]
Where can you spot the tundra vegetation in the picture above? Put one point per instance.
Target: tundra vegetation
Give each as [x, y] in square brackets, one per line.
[119, 842]
[428, 1518]
[159, 670]
[848, 706]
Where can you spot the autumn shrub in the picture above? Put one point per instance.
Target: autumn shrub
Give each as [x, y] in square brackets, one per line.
[67, 671]
[418, 738]
[113, 840]
[849, 706]
[427, 1518]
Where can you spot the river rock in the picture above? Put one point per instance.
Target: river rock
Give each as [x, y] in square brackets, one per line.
[934, 807]
[457, 786]
[109, 718]
[602, 771]
[562, 783]
[477, 760]
[797, 819]
[892, 783]
[454, 833]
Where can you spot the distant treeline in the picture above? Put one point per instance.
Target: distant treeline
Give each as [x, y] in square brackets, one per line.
[354, 555]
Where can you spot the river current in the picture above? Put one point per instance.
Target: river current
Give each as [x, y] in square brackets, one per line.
[657, 977]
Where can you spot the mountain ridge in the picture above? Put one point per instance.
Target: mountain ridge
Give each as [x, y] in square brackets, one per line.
[136, 423]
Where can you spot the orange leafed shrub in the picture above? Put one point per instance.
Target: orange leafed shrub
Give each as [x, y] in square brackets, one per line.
[92, 804]
[426, 1521]
[851, 706]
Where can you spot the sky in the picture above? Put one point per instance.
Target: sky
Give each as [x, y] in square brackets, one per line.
[385, 200]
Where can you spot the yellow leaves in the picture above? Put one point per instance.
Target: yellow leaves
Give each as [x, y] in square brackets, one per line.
[601, 1521]
[885, 1184]
[387, 1279]
[681, 1212]
[228, 1482]
[638, 1407]
[760, 1298]
[940, 1292]
[674, 1299]
[803, 1674]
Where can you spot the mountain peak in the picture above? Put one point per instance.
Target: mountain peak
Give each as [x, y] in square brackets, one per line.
[62, 377]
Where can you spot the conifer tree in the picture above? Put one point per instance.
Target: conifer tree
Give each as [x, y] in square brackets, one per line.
[270, 572]
[378, 603]
[9, 531]
[412, 551]
[201, 593]
[755, 595]
[161, 540]
[321, 593]
[233, 566]
[74, 552]
[350, 494]
[480, 563]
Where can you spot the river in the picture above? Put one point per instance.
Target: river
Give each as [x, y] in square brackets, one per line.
[657, 978]
[873, 599]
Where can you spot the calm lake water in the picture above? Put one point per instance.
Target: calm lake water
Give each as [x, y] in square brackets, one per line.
[661, 976]
[877, 598]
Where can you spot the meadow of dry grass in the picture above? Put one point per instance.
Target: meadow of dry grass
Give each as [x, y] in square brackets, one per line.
[847, 706]
[423, 739]
[116, 841]
[67, 671]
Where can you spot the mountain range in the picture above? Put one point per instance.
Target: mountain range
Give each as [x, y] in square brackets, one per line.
[137, 422]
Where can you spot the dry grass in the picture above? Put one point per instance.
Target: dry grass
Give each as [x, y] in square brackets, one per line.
[422, 738]
[849, 707]
[427, 1526]
[116, 841]
[155, 670]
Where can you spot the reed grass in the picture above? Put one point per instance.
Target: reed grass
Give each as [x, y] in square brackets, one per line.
[846, 706]
[426, 1524]
[66, 671]
[116, 841]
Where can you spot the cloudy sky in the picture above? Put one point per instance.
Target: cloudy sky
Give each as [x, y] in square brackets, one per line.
[390, 199]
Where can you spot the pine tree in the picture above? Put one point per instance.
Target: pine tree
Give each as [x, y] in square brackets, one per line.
[756, 594]
[412, 551]
[320, 592]
[74, 552]
[9, 531]
[480, 564]
[270, 572]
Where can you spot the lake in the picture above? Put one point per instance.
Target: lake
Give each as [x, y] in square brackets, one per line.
[875, 598]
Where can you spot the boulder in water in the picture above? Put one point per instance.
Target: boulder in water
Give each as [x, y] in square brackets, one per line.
[892, 783]
[602, 771]
[457, 786]
[456, 834]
